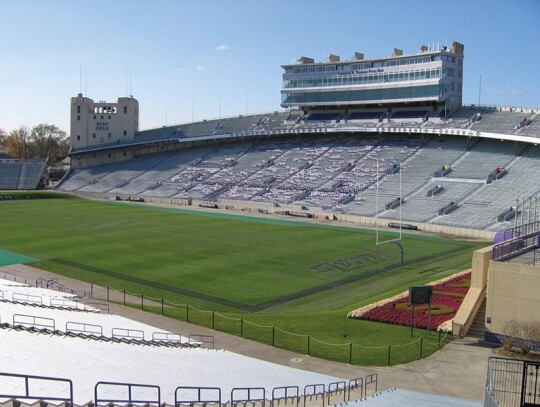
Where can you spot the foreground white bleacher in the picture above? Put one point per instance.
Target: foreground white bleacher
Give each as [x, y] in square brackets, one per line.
[22, 293]
[65, 320]
[89, 362]
[41, 308]
[408, 398]
[37, 340]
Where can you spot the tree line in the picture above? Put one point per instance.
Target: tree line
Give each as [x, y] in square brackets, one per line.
[44, 142]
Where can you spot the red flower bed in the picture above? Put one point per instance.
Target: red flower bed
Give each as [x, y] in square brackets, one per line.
[446, 301]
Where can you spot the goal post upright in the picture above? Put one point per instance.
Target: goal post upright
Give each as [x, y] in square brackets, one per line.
[397, 240]
[377, 184]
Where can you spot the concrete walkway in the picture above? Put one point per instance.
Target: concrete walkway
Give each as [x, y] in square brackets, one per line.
[459, 369]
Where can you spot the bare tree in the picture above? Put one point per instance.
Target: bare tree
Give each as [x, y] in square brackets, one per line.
[2, 140]
[48, 142]
[16, 143]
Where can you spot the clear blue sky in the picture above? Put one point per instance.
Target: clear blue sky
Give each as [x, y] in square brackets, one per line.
[183, 54]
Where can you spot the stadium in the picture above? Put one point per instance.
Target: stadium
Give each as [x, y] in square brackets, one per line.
[383, 145]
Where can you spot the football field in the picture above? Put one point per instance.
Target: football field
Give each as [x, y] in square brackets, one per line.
[293, 274]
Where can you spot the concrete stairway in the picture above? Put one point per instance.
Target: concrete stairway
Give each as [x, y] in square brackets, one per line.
[478, 327]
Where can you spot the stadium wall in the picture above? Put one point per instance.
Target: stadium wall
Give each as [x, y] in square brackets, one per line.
[512, 295]
[101, 158]
[424, 227]
[124, 152]
[476, 294]
[267, 208]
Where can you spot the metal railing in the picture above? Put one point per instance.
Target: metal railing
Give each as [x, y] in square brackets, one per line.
[10, 383]
[120, 393]
[29, 298]
[131, 397]
[33, 321]
[79, 327]
[348, 352]
[285, 394]
[248, 396]
[512, 382]
[202, 396]
[522, 230]
[125, 333]
[505, 251]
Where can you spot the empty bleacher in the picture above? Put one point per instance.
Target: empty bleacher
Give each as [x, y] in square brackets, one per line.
[371, 115]
[231, 125]
[20, 175]
[489, 119]
[505, 122]
[89, 348]
[482, 209]
[409, 114]
[533, 129]
[322, 117]
[331, 173]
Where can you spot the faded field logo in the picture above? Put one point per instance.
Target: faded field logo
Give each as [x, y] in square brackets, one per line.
[347, 264]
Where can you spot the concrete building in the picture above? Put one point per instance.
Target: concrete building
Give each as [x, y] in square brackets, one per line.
[432, 77]
[102, 124]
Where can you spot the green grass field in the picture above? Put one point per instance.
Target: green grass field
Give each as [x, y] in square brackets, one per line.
[299, 277]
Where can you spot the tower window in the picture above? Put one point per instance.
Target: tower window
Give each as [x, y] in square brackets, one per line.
[109, 135]
[125, 109]
[93, 135]
[78, 109]
[78, 138]
[78, 117]
[125, 133]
